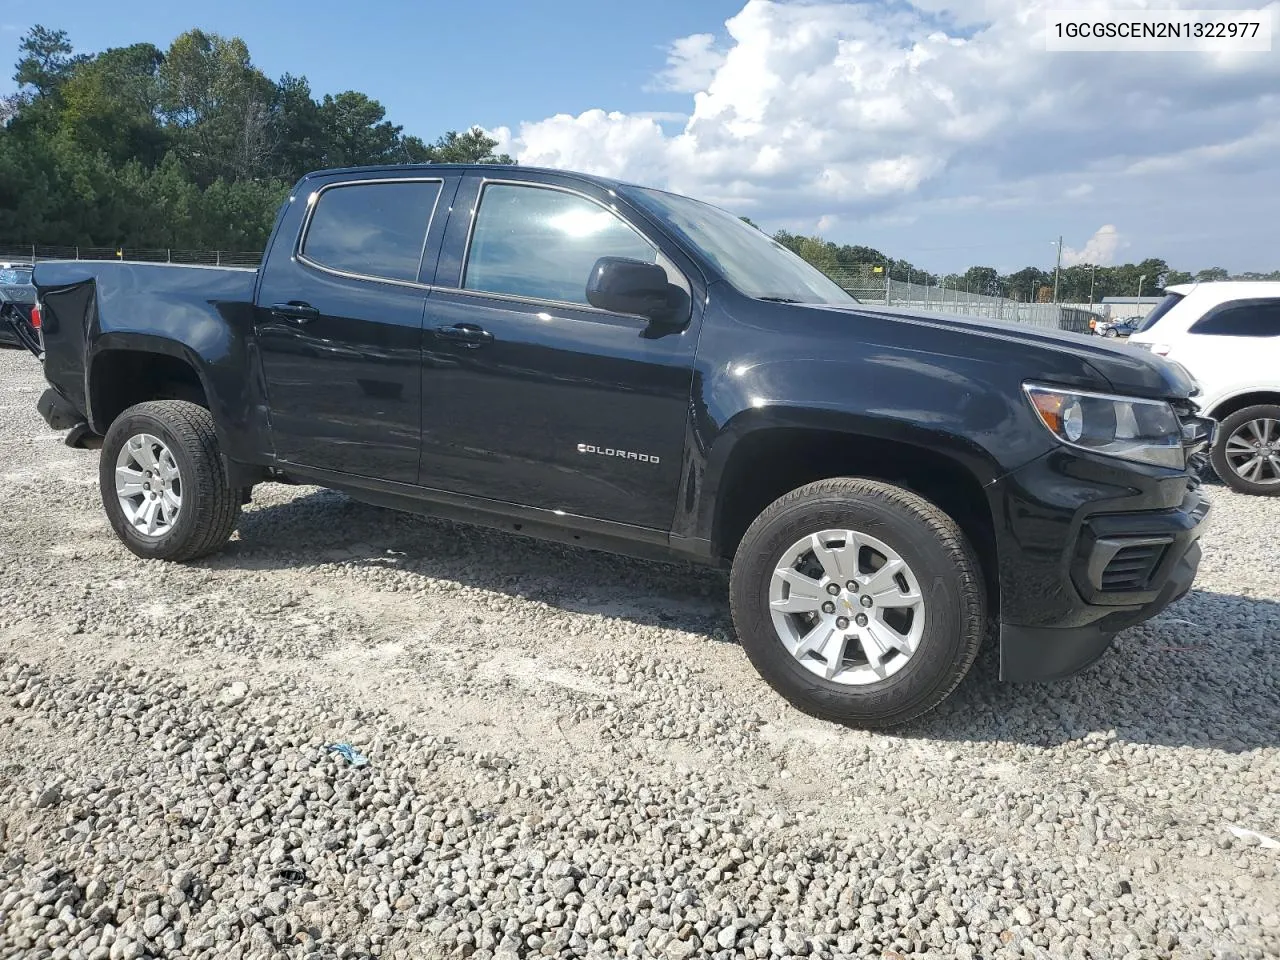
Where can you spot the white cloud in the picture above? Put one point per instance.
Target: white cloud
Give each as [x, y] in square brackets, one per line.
[853, 110]
[1100, 248]
[691, 63]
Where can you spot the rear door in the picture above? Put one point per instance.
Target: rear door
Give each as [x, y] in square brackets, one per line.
[339, 323]
[1234, 348]
[532, 396]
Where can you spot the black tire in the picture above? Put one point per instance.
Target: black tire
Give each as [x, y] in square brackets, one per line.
[1218, 456]
[209, 508]
[931, 544]
[1110, 332]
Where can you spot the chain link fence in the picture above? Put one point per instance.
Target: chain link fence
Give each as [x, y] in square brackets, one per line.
[871, 283]
[33, 253]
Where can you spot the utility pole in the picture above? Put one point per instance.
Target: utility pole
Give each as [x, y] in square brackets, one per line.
[1057, 270]
[1093, 273]
[1140, 279]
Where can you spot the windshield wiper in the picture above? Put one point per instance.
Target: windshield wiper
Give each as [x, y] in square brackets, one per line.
[780, 299]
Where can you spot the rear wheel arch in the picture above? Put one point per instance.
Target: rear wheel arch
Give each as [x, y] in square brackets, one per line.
[122, 374]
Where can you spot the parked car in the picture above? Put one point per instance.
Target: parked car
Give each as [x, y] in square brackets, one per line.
[611, 366]
[1121, 328]
[17, 297]
[1228, 335]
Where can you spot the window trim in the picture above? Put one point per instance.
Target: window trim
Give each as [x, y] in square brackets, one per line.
[1226, 305]
[539, 301]
[313, 202]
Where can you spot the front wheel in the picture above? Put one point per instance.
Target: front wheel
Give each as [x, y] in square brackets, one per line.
[1111, 332]
[1246, 452]
[163, 485]
[858, 601]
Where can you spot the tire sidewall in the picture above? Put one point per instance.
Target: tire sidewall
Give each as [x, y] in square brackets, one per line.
[158, 548]
[942, 644]
[1218, 455]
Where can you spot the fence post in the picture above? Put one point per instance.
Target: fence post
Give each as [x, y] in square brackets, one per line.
[168, 255]
[217, 254]
[77, 251]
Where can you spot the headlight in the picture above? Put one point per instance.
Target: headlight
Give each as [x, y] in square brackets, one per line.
[1143, 430]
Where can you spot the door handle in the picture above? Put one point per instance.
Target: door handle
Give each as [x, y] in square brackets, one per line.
[465, 333]
[295, 311]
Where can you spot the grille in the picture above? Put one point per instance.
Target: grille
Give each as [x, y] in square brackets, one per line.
[1132, 566]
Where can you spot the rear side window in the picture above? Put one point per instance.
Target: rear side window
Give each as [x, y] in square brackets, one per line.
[372, 230]
[1244, 318]
[541, 244]
[1164, 306]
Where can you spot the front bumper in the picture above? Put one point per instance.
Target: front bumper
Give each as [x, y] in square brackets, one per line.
[1091, 547]
[1052, 653]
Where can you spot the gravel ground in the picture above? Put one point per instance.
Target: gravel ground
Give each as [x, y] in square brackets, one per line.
[569, 755]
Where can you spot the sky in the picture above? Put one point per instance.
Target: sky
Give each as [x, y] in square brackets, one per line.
[938, 131]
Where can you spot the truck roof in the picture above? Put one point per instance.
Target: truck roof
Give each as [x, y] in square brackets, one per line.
[439, 167]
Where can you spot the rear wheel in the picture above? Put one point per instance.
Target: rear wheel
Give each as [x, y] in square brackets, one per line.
[163, 485]
[1246, 452]
[858, 601]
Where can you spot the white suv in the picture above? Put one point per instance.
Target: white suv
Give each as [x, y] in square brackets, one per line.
[1228, 335]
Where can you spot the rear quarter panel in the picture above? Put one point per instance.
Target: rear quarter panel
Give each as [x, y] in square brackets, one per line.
[202, 315]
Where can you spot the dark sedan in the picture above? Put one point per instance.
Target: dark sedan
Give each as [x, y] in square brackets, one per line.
[1121, 328]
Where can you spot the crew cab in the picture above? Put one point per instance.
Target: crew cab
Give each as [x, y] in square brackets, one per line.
[621, 368]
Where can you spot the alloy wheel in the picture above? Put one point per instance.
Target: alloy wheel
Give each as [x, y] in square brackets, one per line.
[148, 485]
[847, 607]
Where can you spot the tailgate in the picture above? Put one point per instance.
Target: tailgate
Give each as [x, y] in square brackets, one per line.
[17, 317]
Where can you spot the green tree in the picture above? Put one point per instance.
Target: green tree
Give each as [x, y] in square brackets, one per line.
[299, 131]
[473, 146]
[983, 280]
[1212, 273]
[110, 104]
[1026, 283]
[219, 105]
[46, 61]
[355, 131]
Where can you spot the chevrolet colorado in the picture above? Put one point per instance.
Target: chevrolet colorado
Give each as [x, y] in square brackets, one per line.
[621, 368]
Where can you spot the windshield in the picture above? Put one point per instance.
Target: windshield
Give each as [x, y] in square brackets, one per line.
[14, 275]
[1161, 308]
[749, 259]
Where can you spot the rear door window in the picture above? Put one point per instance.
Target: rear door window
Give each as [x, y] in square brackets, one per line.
[374, 229]
[1244, 318]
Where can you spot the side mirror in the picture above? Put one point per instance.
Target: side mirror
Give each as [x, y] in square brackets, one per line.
[622, 285]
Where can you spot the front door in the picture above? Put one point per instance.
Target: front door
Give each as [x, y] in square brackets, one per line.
[339, 327]
[532, 396]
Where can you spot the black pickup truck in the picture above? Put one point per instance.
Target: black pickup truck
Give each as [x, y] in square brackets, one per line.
[625, 369]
